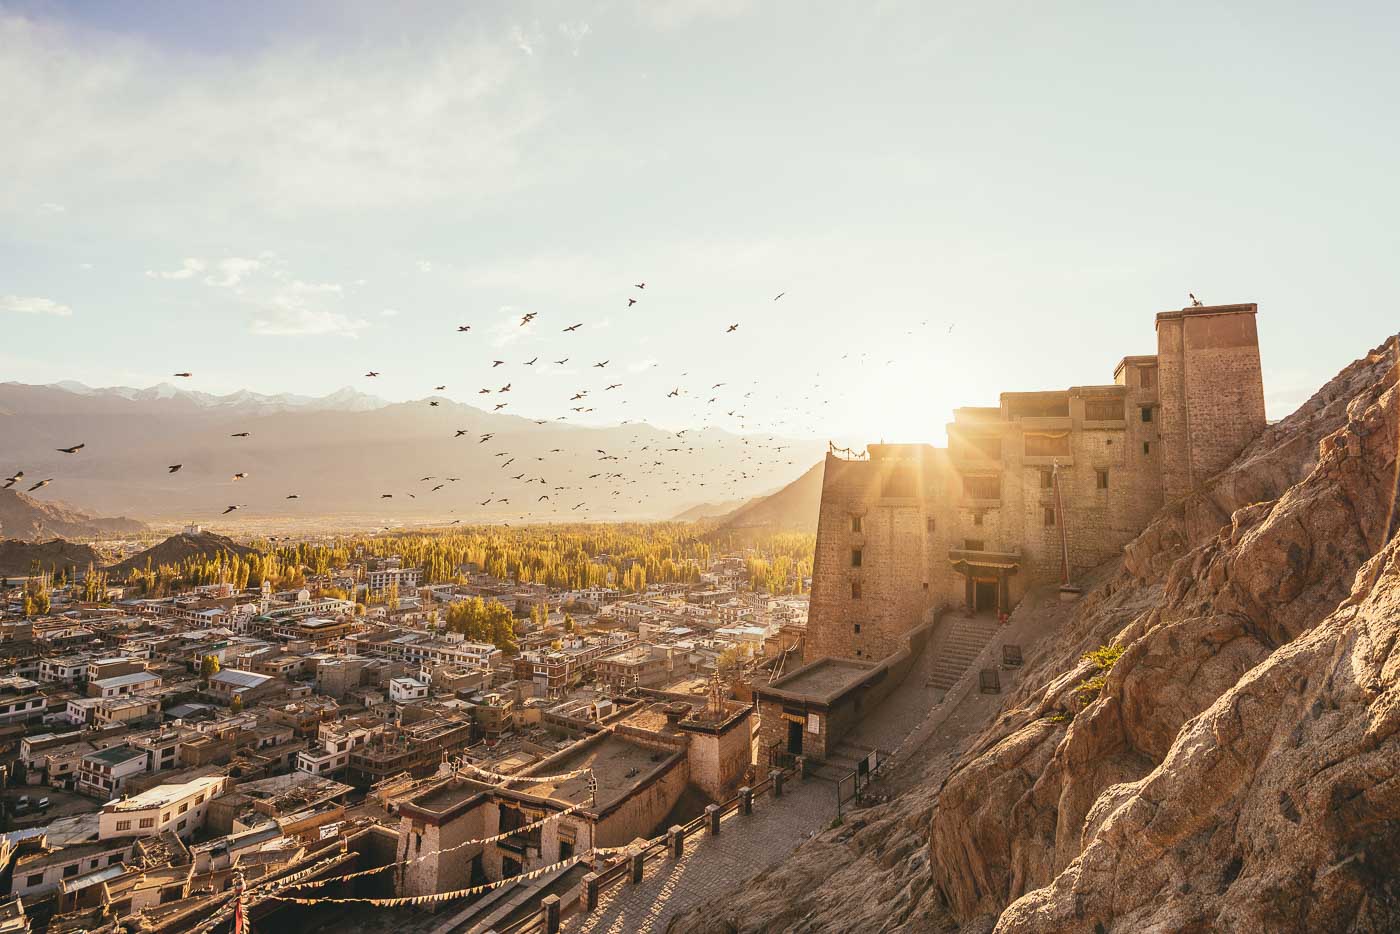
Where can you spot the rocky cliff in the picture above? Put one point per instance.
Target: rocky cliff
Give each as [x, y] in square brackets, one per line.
[1228, 759]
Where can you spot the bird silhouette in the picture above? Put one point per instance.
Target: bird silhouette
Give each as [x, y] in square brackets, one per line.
[615, 386]
[674, 392]
[500, 405]
[185, 375]
[528, 318]
[573, 327]
[1195, 302]
[531, 361]
[12, 480]
[239, 434]
[433, 402]
[292, 496]
[641, 285]
[74, 449]
[505, 388]
[778, 296]
[496, 363]
[463, 328]
[460, 432]
[386, 495]
[562, 362]
[372, 373]
[599, 366]
[240, 476]
[732, 329]
[40, 485]
[173, 468]
[631, 302]
[439, 388]
[232, 508]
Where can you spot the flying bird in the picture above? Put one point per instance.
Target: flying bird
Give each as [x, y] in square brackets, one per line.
[293, 496]
[631, 302]
[185, 375]
[232, 508]
[11, 481]
[778, 296]
[239, 434]
[496, 363]
[732, 329]
[500, 405]
[531, 361]
[505, 388]
[573, 327]
[674, 392]
[174, 468]
[433, 402]
[40, 485]
[463, 328]
[240, 476]
[641, 285]
[386, 495]
[74, 449]
[1195, 302]
[460, 432]
[439, 388]
[599, 366]
[615, 386]
[372, 373]
[562, 362]
[528, 318]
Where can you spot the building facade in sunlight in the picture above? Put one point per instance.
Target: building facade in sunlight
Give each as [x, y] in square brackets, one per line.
[906, 528]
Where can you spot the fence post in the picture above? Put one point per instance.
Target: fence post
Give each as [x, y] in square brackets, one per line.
[675, 841]
[712, 817]
[590, 893]
[638, 862]
[550, 904]
[746, 801]
[777, 778]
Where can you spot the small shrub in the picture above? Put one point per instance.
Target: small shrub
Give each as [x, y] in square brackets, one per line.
[1089, 691]
[1059, 718]
[1104, 656]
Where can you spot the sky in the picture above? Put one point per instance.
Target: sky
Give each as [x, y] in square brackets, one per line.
[953, 199]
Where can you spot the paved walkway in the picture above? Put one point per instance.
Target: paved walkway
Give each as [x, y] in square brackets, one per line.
[712, 865]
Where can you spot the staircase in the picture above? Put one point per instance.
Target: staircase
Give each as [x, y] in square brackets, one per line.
[841, 761]
[966, 639]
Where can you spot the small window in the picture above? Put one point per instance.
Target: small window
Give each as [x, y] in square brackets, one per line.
[1047, 479]
[931, 525]
[855, 523]
[1147, 413]
[147, 823]
[925, 586]
[1049, 517]
[35, 879]
[70, 871]
[855, 557]
[857, 628]
[1147, 447]
[123, 825]
[857, 653]
[855, 590]
[184, 807]
[977, 518]
[1102, 476]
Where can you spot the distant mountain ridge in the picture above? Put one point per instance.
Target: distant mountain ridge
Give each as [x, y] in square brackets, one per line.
[180, 546]
[26, 519]
[356, 457]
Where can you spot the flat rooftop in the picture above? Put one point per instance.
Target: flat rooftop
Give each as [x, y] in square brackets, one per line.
[824, 678]
[617, 765]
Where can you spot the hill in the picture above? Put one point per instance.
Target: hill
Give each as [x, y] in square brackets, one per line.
[707, 511]
[17, 557]
[794, 508]
[1231, 760]
[340, 456]
[27, 519]
[178, 547]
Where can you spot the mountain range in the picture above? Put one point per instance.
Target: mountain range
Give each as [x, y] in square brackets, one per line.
[340, 454]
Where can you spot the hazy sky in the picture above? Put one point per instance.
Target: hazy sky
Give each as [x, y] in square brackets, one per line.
[282, 197]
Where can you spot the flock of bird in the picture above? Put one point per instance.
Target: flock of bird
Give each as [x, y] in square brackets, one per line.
[643, 458]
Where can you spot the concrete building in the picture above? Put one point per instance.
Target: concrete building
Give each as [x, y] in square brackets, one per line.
[1041, 480]
[103, 773]
[178, 807]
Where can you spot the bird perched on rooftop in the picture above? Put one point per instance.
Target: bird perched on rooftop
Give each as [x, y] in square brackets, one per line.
[174, 468]
[232, 508]
[185, 375]
[74, 449]
[40, 485]
[239, 434]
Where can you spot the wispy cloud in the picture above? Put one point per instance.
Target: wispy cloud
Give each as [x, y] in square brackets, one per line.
[229, 272]
[33, 305]
[190, 268]
[288, 315]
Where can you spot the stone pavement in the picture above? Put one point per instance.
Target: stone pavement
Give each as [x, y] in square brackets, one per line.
[712, 866]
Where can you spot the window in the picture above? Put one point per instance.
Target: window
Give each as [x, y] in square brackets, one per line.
[147, 823]
[1049, 517]
[1047, 479]
[855, 523]
[855, 590]
[37, 879]
[180, 826]
[70, 871]
[1147, 378]
[1147, 447]
[925, 586]
[113, 859]
[982, 487]
[977, 517]
[1102, 477]
[1103, 410]
[184, 807]
[855, 557]
[165, 817]
[1147, 413]
[123, 825]
[857, 628]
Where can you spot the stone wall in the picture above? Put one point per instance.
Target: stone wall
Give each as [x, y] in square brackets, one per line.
[641, 812]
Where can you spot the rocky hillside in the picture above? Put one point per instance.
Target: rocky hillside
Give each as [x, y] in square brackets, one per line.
[178, 547]
[17, 558]
[27, 519]
[1237, 767]
[794, 508]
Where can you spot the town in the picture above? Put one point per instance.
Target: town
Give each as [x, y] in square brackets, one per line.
[159, 752]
